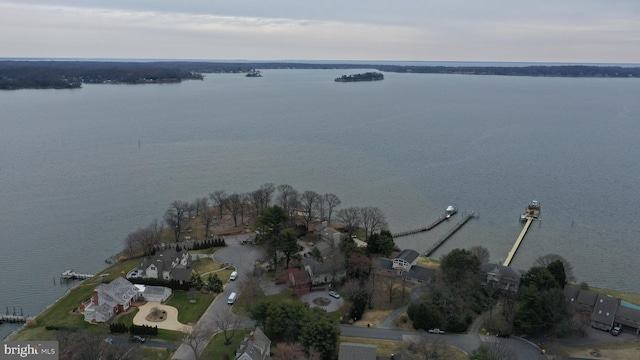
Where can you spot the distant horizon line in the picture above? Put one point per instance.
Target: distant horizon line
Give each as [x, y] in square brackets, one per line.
[364, 62]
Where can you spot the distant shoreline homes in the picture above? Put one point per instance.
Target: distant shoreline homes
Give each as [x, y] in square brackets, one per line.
[20, 74]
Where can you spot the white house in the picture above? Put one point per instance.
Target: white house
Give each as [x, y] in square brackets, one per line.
[168, 264]
[110, 299]
[255, 346]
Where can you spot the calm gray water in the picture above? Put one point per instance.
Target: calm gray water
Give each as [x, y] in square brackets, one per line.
[75, 182]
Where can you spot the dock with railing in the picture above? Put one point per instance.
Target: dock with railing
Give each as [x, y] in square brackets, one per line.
[447, 215]
[449, 233]
[72, 275]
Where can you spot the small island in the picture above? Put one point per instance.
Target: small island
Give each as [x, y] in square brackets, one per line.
[368, 76]
[254, 73]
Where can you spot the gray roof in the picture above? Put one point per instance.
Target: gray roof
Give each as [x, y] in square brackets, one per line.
[408, 255]
[587, 298]
[257, 346]
[385, 263]
[181, 274]
[421, 273]
[505, 272]
[353, 351]
[628, 316]
[571, 294]
[604, 310]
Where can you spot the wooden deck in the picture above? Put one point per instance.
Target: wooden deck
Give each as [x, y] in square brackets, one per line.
[515, 247]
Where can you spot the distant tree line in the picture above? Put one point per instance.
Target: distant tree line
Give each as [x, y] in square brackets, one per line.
[368, 76]
[15, 74]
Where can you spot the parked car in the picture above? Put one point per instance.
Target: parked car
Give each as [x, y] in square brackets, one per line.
[616, 330]
[137, 339]
[334, 294]
[436, 331]
[503, 335]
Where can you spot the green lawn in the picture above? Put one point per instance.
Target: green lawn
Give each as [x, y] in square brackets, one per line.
[205, 265]
[217, 349]
[190, 311]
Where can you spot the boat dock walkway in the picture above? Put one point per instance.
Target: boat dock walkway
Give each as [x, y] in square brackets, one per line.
[72, 275]
[12, 318]
[428, 227]
[515, 247]
[449, 233]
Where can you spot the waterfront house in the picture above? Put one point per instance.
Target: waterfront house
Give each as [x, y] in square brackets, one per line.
[153, 293]
[420, 275]
[324, 272]
[255, 346]
[500, 277]
[328, 234]
[586, 301]
[405, 259]
[628, 318]
[354, 351]
[604, 312]
[167, 264]
[110, 299]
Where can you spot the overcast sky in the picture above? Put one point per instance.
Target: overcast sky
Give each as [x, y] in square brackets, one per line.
[605, 31]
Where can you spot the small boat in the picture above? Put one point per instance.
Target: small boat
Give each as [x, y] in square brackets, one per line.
[531, 212]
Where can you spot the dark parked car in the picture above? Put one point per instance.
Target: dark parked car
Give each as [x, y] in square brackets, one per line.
[137, 339]
[503, 335]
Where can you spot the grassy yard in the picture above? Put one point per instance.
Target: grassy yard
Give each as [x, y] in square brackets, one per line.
[205, 265]
[217, 349]
[628, 297]
[619, 350]
[156, 354]
[190, 304]
[385, 348]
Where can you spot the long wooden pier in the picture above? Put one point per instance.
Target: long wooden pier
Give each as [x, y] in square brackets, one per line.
[72, 275]
[515, 247]
[449, 233]
[426, 228]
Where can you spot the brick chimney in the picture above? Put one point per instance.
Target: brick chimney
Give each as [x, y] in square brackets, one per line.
[95, 297]
[123, 275]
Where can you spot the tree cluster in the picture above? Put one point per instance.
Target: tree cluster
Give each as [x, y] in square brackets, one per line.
[121, 328]
[294, 321]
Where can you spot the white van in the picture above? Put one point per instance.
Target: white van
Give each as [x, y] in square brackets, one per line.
[232, 298]
[233, 276]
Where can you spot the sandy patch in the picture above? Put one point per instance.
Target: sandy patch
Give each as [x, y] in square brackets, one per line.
[171, 322]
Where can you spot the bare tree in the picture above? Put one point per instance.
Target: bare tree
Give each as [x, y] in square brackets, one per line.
[308, 201]
[372, 219]
[228, 323]
[144, 240]
[87, 345]
[266, 192]
[294, 351]
[256, 200]
[234, 206]
[200, 204]
[481, 252]
[175, 217]
[197, 337]
[208, 215]
[321, 207]
[245, 204]
[219, 198]
[349, 217]
[494, 350]
[389, 284]
[332, 202]
[251, 287]
[285, 191]
[429, 347]
[546, 260]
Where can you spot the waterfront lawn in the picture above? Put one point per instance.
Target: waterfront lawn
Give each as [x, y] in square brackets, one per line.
[188, 312]
[628, 297]
[216, 349]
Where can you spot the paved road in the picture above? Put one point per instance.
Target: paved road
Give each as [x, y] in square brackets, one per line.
[523, 349]
[244, 259]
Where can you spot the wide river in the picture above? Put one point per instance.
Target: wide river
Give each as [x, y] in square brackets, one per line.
[80, 169]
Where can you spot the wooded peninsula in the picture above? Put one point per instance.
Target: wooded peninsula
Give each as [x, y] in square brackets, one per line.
[61, 74]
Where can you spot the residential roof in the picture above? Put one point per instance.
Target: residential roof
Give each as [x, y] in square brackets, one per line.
[408, 255]
[257, 346]
[604, 310]
[503, 271]
[385, 263]
[421, 273]
[181, 274]
[353, 351]
[587, 298]
[628, 317]
[571, 294]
